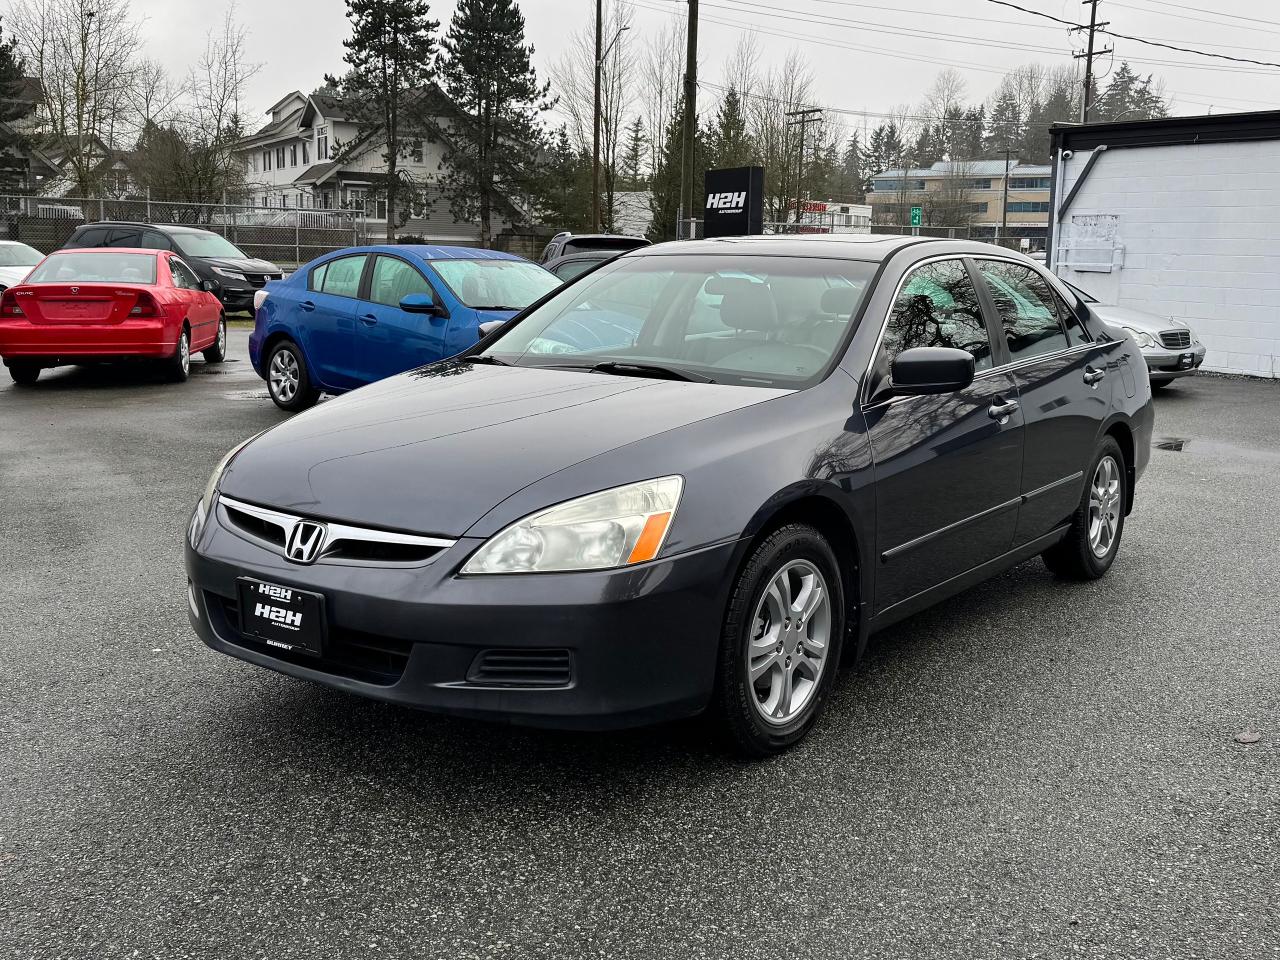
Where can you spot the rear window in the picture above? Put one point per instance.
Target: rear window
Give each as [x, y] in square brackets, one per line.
[95, 268]
[603, 243]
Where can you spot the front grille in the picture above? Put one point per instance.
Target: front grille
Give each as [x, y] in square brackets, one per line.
[1176, 339]
[347, 653]
[255, 526]
[522, 668]
[260, 279]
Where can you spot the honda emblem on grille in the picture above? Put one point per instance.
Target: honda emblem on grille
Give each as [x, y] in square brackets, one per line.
[75, 289]
[306, 540]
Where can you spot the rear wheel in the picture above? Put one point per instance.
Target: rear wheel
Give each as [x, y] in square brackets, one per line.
[1090, 546]
[287, 379]
[218, 352]
[24, 373]
[780, 645]
[178, 367]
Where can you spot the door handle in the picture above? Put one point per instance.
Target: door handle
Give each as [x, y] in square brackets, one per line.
[307, 305]
[369, 319]
[1001, 409]
[1092, 375]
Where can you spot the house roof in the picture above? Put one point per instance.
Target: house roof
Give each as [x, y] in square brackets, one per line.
[317, 172]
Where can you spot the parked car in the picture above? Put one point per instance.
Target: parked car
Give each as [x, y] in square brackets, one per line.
[1169, 346]
[95, 305]
[364, 313]
[16, 261]
[807, 441]
[564, 244]
[233, 274]
[576, 264]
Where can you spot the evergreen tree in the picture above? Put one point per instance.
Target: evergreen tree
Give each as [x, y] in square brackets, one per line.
[1006, 126]
[728, 142]
[664, 200]
[562, 185]
[633, 153]
[967, 141]
[495, 136]
[854, 176]
[1129, 97]
[390, 53]
[13, 166]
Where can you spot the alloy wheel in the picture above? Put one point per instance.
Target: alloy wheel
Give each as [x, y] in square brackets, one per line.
[222, 337]
[284, 376]
[184, 354]
[1105, 505]
[790, 638]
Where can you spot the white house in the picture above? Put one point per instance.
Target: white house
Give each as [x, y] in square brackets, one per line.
[288, 163]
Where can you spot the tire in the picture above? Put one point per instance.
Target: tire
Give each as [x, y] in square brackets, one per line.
[24, 374]
[1086, 552]
[288, 381]
[178, 367]
[752, 714]
[218, 352]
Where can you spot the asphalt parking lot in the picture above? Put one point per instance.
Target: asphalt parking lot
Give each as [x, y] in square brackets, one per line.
[1034, 769]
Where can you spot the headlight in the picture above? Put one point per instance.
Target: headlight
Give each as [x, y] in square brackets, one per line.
[1144, 339]
[211, 490]
[224, 272]
[612, 528]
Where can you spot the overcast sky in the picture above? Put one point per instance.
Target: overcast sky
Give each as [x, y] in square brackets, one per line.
[859, 65]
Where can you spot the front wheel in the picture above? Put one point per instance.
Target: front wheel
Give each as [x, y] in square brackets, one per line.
[1090, 546]
[218, 352]
[287, 379]
[781, 641]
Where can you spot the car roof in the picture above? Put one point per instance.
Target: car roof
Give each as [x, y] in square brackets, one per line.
[150, 251]
[158, 227]
[600, 236]
[872, 247]
[426, 251]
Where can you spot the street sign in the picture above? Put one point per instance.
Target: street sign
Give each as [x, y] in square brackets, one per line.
[915, 216]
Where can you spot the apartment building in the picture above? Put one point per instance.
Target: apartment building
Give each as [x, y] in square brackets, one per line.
[949, 193]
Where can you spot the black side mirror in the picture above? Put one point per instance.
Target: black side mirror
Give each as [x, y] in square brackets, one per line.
[928, 370]
[424, 304]
[208, 286]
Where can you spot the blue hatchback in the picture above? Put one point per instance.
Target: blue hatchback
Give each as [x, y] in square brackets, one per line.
[364, 313]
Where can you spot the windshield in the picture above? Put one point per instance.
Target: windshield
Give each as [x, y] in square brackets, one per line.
[765, 321]
[496, 284]
[206, 245]
[93, 266]
[18, 255]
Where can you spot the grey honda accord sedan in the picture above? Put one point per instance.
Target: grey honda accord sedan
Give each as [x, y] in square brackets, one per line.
[691, 481]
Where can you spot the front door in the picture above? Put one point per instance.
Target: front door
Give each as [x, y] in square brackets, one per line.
[1062, 378]
[201, 308]
[391, 340]
[948, 468]
[327, 321]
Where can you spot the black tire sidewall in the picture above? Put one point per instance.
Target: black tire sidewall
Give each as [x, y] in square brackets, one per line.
[1073, 558]
[175, 371]
[305, 395]
[216, 354]
[24, 374]
[748, 731]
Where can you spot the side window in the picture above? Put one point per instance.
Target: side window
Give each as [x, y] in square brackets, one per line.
[1076, 332]
[394, 279]
[316, 280]
[937, 307]
[342, 276]
[91, 238]
[183, 276]
[152, 240]
[573, 268]
[1026, 307]
[125, 238]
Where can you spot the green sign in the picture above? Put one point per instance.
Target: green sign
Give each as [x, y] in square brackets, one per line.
[915, 216]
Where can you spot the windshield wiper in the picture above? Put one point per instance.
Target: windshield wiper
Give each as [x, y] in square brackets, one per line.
[624, 369]
[485, 358]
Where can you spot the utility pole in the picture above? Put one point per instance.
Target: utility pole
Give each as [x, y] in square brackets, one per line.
[1088, 55]
[802, 119]
[687, 187]
[595, 135]
[1004, 204]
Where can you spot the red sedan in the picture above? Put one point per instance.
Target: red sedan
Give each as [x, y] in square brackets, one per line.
[92, 305]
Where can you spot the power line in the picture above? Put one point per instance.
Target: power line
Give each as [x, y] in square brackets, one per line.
[1183, 16]
[1124, 36]
[1230, 16]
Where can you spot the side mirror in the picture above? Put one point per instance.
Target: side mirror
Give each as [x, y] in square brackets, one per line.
[489, 326]
[928, 370]
[208, 286]
[422, 303]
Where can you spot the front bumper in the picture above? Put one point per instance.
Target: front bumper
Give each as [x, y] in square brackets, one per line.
[1166, 364]
[641, 643]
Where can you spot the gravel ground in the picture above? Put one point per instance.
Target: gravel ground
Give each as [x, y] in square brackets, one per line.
[1031, 770]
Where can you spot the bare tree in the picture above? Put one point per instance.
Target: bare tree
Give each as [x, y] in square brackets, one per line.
[661, 75]
[785, 88]
[85, 53]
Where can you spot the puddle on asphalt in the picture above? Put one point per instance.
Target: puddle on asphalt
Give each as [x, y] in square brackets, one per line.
[1176, 444]
[248, 395]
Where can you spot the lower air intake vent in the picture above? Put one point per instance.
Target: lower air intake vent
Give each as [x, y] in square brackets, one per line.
[522, 668]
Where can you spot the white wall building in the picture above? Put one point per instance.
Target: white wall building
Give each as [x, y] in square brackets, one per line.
[1179, 217]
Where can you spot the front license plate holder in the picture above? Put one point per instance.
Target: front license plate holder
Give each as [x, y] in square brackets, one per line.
[284, 618]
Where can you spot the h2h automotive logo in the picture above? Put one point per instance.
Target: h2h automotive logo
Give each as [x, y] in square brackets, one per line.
[729, 202]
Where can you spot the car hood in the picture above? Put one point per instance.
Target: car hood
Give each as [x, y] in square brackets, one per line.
[435, 449]
[11, 276]
[1138, 319]
[243, 264]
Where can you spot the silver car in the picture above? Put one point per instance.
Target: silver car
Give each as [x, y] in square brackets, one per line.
[1169, 346]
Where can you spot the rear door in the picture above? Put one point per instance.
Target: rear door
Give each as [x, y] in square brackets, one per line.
[325, 321]
[948, 468]
[1061, 377]
[391, 340]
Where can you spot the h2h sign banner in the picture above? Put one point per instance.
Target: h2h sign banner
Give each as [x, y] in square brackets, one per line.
[734, 205]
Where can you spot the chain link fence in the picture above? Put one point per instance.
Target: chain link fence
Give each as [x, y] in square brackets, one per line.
[1024, 239]
[288, 237]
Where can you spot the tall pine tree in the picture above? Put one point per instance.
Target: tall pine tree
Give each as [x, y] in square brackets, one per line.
[496, 138]
[728, 142]
[390, 55]
[634, 150]
[13, 166]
